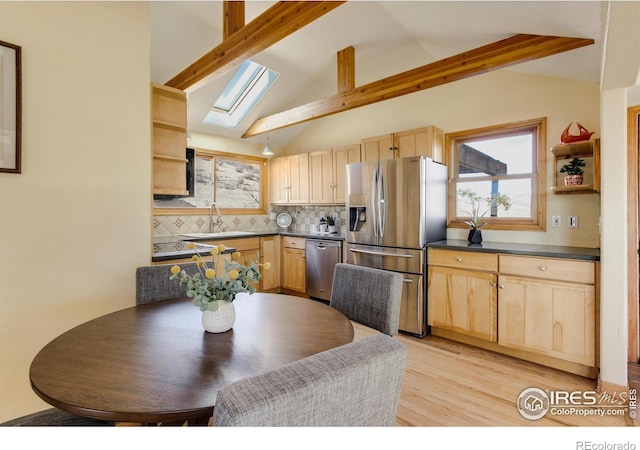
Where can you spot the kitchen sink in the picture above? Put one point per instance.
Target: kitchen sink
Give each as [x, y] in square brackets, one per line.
[218, 234]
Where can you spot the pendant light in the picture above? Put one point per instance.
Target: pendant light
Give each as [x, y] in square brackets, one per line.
[267, 149]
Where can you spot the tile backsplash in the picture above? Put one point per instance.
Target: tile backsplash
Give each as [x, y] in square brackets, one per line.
[303, 217]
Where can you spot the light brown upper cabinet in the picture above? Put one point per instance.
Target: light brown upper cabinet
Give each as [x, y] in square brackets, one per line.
[289, 179]
[169, 125]
[425, 141]
[327, 171]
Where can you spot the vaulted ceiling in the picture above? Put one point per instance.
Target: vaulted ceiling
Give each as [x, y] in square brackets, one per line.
[388, 38]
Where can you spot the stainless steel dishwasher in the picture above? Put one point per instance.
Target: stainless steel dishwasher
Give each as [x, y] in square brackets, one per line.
[321, 257]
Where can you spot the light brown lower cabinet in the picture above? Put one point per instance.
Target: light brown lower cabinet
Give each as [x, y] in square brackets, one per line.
[548, 317]
[252, 249]
[539, 309]
[270, 252]
[294, 264]
[464, 301]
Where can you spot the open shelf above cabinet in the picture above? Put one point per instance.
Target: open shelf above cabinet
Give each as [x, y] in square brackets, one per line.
[589, 151]
[169, 140]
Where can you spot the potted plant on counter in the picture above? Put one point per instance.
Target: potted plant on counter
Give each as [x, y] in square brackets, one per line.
[574, 172]
[476, 215]
[331, 223]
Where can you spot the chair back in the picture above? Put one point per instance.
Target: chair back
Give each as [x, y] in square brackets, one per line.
[357, 384]
[153, 283]
[369, 296]
[54, 417]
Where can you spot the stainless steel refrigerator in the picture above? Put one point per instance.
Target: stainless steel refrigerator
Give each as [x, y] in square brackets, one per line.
[395, 207]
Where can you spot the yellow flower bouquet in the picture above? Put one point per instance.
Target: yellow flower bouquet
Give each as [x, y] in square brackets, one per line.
[211, 284]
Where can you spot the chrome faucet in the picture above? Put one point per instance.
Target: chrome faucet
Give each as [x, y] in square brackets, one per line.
[218, 219]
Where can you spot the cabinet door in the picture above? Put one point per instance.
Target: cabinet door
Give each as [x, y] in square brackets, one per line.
[270, 252]
[548, 317]
[321, 177]
[278, 180]
[341, 157]
[379, 147]
[426, 141]
[293, 269]
[463, 301]
[298, 178]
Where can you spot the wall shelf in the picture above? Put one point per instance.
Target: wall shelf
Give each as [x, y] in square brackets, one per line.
[589, 151]
[169, 140]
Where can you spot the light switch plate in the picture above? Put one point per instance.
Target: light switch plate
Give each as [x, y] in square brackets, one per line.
[573, 221]
[556, 222]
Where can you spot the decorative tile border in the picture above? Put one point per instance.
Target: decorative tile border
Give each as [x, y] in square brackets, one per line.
[303, 216]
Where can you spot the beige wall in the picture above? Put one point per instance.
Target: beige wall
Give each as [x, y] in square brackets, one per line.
[484, 100]
[222, 144]
[76, 222]
[621, 71]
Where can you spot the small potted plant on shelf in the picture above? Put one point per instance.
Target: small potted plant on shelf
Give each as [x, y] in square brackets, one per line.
[476, 215]
[574, 172]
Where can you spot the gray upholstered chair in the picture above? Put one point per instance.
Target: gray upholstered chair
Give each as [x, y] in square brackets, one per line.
[368, 296]
[54, 417]
[153, 283]
[357, 384]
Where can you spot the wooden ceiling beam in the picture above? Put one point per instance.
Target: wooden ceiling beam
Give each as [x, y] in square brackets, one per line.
[233, 17]
[507, 52]
[346, 70]
[276, 23]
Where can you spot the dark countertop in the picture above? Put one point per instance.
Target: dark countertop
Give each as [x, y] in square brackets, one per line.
[176, 254]
[317, 235]
[549, 251]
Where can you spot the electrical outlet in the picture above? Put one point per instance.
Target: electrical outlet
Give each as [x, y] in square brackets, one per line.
[573, 221]
[556, 222]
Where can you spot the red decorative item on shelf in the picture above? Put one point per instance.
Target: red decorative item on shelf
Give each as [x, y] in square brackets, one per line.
[567, 137]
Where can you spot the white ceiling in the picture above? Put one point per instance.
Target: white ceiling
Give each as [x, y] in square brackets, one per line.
[388, 36]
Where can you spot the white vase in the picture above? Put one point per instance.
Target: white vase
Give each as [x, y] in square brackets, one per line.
[220, 320]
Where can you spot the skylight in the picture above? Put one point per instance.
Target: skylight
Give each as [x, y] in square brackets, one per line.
[247, 86]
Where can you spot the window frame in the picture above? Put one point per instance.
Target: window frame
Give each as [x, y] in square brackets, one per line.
[213, 156]
[537, 221]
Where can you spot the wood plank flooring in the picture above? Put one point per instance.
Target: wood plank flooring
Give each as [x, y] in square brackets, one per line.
[449, 384]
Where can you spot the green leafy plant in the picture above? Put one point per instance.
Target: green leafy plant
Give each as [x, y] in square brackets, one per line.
[574, 167]
[206, 286]
[330, 220]
[476, 201]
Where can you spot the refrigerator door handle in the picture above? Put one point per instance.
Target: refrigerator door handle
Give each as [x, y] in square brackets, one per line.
[372, 252]
[374, 194]
[382, 206]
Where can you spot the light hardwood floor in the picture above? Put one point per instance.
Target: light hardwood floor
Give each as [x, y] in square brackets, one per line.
[449, 384]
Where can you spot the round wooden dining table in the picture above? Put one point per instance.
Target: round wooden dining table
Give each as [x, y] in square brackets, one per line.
[154, 363]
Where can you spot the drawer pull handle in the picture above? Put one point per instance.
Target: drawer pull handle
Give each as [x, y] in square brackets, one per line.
[459, 259]
[542, 268]
[493, 284]
[501, 286]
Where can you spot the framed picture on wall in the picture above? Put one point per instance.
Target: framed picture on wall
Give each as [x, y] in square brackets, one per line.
[10, 107]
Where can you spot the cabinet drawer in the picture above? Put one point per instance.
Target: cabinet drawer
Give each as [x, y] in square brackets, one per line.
[293, 242]
[487, 262]
[549, 268]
